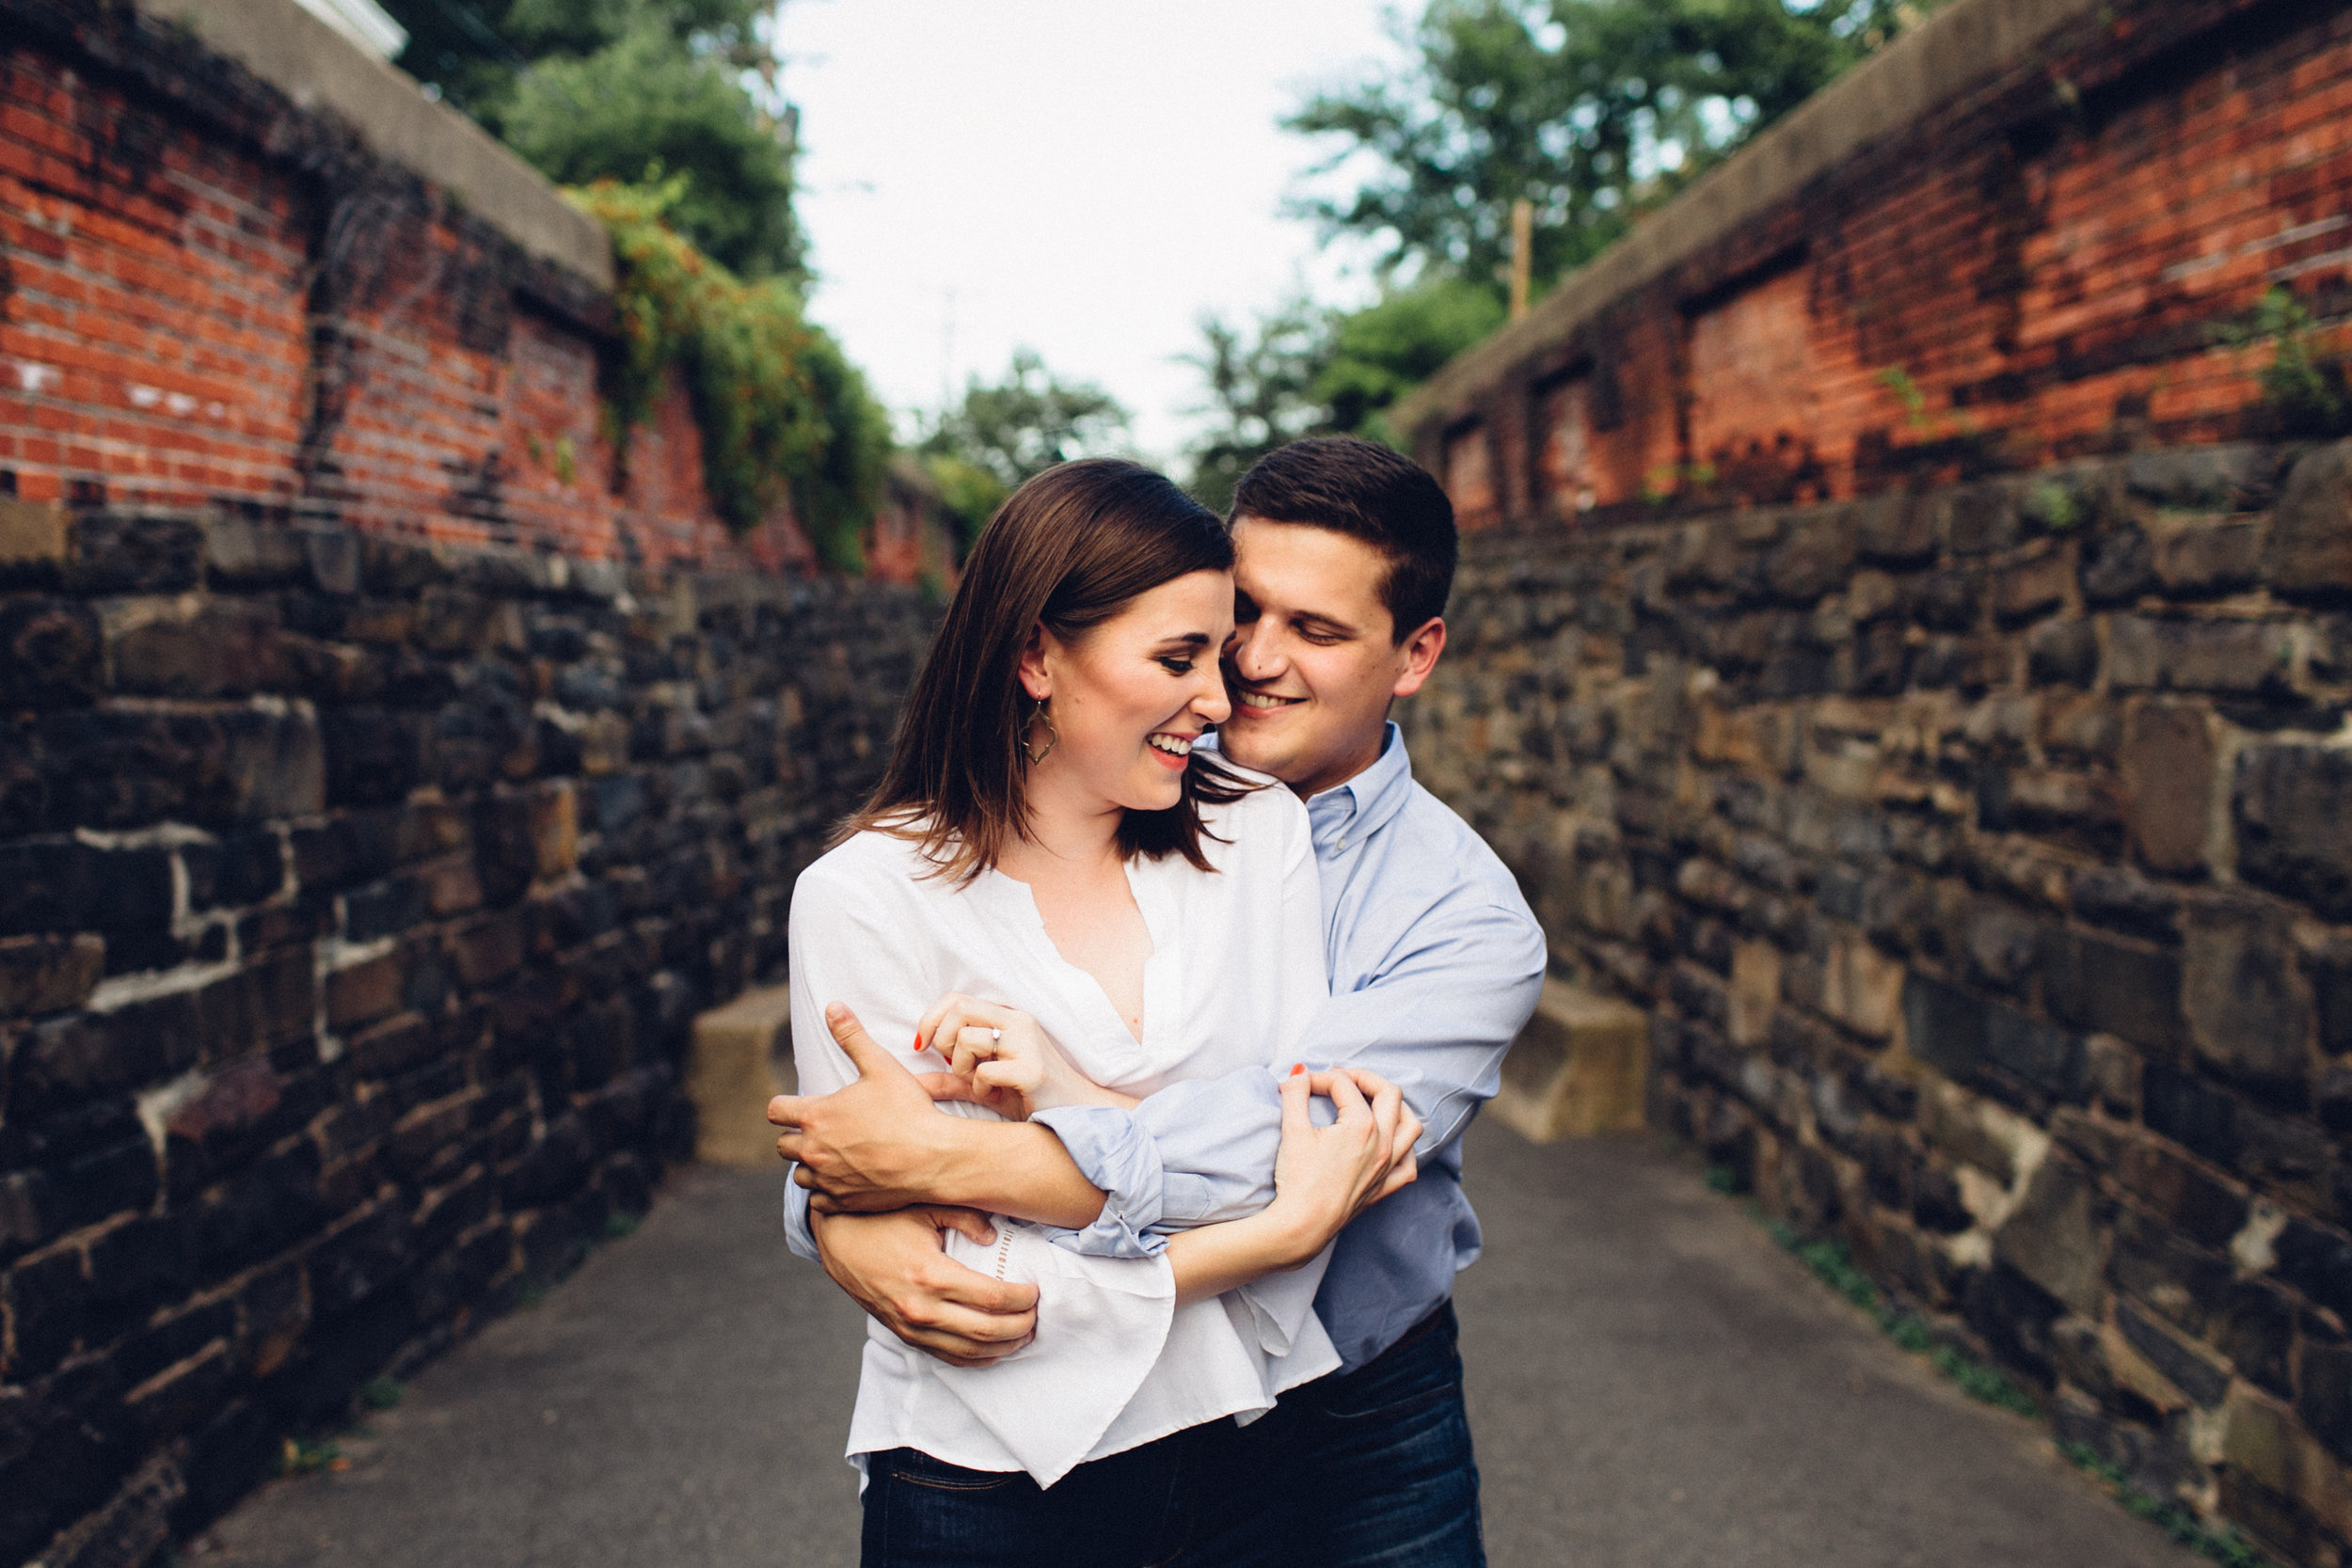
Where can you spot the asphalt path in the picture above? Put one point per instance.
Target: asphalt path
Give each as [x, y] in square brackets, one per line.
[1652, 1384]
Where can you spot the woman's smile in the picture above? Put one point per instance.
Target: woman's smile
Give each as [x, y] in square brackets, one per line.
[1170, 749]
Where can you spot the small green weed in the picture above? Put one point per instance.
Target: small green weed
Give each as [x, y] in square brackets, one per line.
[1669, 479]
[2304, 383]
[1983, 1384]
[531, 1295]
[2224, 1545]
[617, 1225]
[1721, 1178]
[307, 1456]
[1906, 1330]
[1897, 380]
[381, 1393]
[2054, 506]
[1832, 1264]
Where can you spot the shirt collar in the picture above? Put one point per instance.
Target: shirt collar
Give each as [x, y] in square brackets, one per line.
[1350, 812]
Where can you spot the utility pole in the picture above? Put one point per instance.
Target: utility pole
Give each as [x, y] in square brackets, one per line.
[1522, 242]
[946, 348]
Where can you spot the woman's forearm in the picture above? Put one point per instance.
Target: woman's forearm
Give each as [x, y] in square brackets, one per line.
[1214, 1259]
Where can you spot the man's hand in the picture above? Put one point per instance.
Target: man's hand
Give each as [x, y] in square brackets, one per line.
[896, 1266]
[874, 1145]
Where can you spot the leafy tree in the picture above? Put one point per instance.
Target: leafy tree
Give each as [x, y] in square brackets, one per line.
[643, 105]
[1304, 372]
[980, 450]
[628, 90]
[1589, 109]
[1261, 382]
[1385, 350]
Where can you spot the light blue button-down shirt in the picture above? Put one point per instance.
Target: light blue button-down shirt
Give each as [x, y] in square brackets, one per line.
[1436, 963]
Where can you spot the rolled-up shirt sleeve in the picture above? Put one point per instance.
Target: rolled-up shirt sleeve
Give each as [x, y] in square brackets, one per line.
[798, 1235]
[1117, 1157]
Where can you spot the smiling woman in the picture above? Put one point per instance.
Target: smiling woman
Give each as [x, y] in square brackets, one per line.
[1052, 879]
[1106, 577]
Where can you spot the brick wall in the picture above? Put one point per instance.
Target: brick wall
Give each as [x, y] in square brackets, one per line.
[1910, 649]
[386, 780]
[212, 297]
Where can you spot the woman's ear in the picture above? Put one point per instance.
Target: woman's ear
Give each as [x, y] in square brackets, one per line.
[1036, 678]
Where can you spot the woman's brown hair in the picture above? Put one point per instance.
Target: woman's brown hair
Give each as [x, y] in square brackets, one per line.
[1069, 550]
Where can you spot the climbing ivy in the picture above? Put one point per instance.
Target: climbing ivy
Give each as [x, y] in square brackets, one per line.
[783, 415]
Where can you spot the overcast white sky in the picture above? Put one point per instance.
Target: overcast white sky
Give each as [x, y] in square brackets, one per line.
[1086, 176]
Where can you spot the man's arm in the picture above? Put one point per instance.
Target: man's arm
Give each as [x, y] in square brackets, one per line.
[880, 1137]
[1436, 1021]
[894, 1266]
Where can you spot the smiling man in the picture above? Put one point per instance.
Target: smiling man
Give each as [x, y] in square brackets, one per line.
[1345, 556]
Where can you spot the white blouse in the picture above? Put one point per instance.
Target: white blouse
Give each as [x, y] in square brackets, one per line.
[1237, 970]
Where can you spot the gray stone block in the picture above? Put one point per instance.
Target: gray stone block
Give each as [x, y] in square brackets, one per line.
[2292, 802]
[2311, 530]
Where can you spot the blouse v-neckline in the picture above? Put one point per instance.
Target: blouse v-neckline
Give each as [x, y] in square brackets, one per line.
[1128, 1053]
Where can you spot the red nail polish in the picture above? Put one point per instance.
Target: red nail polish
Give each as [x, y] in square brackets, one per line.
[1298, 1068]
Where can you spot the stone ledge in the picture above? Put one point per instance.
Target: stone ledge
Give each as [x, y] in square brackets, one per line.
[320, 69]
[1578, 1069]
[733, 1071]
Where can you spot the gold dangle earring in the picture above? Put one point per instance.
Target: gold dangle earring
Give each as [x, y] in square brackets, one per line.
[1028, 747]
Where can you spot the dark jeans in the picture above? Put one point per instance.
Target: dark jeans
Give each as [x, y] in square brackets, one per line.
[1129, 1510]
[1366, 1469]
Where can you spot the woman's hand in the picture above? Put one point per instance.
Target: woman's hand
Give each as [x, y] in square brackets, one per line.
[1324, 1176]
[999, 1057]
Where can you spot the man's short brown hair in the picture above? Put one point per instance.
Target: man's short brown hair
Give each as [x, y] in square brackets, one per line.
[1369, 492]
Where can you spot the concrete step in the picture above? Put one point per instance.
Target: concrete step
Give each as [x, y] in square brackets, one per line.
[742, 1055]
[1578, 1069]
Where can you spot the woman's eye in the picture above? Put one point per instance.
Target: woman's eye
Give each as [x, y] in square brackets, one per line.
[1177, 666]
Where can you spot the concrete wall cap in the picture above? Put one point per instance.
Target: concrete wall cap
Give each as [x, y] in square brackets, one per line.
[321, 69]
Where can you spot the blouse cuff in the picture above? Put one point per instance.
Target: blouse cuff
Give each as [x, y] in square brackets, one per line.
[1118, 1156]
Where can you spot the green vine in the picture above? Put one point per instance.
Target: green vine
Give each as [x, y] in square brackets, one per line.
[784, 415]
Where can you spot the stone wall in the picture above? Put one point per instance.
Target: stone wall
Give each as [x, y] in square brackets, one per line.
[356, 899]
[386, 779]
[1950, 747]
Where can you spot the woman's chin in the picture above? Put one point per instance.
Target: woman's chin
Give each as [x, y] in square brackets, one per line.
[1157, 794]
